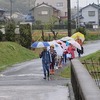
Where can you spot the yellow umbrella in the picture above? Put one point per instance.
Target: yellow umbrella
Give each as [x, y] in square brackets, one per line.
[78, 35]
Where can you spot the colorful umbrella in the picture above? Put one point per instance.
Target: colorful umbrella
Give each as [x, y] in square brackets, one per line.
[75, 44]
[63, 45]
[78, 35]
[40, 44]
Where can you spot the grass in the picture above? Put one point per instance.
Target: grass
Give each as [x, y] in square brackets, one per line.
[65, 72]
[36, 36]
[12, 53]
[91, 34]
[95, 57]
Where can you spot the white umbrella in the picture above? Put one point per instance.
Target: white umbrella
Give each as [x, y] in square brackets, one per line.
[75, 44]
[57, 47]
[67, 38]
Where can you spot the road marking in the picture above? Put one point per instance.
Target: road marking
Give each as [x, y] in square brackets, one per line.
[30, 75]
[5, 97]
[2, 75]
[35, 75]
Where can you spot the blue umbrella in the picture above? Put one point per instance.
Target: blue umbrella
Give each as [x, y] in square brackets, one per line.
[67, 43]
[40, 44]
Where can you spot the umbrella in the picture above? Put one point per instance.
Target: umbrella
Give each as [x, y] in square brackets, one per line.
[66, 38]
[78, 35]
[75, 44]
[63, 45]
[40, 44]
[57, 47]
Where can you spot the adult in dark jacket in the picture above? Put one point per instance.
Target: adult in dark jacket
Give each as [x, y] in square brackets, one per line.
[46, 60]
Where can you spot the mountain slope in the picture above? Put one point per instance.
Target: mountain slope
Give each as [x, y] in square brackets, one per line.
[17, 5]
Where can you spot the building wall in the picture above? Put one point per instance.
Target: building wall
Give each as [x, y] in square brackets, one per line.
[59, 4]
[88, 18]
[43, 13]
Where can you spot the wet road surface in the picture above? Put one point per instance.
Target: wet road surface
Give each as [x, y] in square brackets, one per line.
[24, 81]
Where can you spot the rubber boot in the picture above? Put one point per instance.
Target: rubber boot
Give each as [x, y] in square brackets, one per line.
[53, 71]
[50, 71]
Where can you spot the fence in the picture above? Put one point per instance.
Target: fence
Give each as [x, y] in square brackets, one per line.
[84, 86]
[93, 69]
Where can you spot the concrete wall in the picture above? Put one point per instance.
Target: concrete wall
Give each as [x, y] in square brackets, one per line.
[83, 84]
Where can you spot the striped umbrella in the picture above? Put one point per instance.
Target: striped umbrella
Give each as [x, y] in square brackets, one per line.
[40, 44]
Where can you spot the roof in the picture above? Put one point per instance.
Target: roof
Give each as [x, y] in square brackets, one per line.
[46, 5]
[80, 14]
[92, 5]
[2, 10]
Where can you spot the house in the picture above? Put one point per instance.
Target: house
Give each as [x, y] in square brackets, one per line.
[44, 12]
[58, 4]
[2, 16]
[18, 16]
[29, 18]
[89, 14]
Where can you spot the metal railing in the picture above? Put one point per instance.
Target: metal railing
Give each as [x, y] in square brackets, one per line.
[84, 86]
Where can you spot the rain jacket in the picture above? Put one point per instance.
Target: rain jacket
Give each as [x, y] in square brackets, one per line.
[46, 57]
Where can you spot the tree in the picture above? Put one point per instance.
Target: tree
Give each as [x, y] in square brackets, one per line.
[50, 26]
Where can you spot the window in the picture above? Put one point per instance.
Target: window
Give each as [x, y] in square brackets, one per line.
[44, 12]
[91, 13]
[59, 4]
[91, 22]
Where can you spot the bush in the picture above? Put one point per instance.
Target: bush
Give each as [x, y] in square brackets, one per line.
[25, 35]
[1, 35]
[10, 31]
[81, 30]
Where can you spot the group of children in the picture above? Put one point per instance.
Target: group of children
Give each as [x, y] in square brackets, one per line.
[51, 59]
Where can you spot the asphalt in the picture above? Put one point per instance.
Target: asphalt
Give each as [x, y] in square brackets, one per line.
[25, 81]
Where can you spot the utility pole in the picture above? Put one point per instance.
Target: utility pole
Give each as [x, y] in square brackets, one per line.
[29, 4]
[78, 22]
[69, 17]
[10, 9]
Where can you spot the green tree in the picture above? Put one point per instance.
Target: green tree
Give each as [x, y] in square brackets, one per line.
[81, 30]
[25, 35]
[10, 31]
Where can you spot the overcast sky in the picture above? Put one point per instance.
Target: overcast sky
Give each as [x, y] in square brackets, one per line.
[83, 3]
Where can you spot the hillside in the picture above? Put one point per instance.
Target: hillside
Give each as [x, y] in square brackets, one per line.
[11, 53]
[18, 5]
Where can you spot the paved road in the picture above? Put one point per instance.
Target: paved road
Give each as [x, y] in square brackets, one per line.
[25, 81]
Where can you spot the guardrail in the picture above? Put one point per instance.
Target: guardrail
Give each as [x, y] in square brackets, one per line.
[84, 86]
